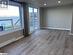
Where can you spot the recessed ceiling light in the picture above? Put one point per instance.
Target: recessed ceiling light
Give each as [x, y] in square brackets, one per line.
[45, 4]
[59, 1]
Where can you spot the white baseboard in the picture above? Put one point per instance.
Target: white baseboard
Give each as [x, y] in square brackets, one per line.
[70, 33]
[10, 41]
[55, 28]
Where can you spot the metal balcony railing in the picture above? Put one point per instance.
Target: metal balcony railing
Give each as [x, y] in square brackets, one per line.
[3, 25]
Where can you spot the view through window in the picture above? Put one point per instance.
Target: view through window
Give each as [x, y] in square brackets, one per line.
[10, 18]
[33, 19]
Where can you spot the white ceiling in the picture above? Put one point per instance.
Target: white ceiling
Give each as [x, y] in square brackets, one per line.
[50, 3]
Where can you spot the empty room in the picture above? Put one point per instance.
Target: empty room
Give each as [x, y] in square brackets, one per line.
[36, 27]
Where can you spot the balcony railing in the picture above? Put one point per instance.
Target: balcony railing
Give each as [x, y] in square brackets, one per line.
[4, 24]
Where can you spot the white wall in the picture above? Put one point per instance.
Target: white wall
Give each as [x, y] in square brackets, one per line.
[72, 24]
[60, 17]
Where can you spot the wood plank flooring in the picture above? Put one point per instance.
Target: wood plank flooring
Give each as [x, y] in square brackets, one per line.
[42, 42]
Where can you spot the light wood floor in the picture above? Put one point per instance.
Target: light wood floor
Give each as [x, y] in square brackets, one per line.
[42, 42]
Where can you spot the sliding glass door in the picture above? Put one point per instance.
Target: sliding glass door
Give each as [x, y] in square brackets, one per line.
[33, 19]
[36, 20]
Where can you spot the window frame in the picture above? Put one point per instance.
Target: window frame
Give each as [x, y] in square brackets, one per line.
[20, 13]
[34, 18]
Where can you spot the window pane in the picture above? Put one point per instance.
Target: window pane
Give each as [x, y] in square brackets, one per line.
[10, 18]
[35, 10]
[6, 24]
[36, 20]
[31, 19]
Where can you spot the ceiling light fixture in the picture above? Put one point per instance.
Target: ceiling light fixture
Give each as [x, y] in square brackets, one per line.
[59, 1]
[45, 4]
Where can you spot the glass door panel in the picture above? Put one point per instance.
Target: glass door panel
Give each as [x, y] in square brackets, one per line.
[36, 21]
[31, 20]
